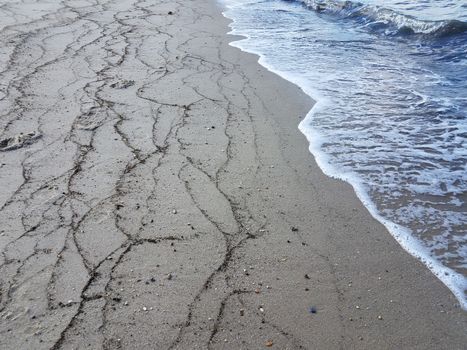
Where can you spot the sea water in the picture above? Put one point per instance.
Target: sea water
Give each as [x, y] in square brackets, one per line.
[390, 81]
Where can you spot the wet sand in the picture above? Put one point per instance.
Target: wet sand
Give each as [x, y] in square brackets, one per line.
[157, 194]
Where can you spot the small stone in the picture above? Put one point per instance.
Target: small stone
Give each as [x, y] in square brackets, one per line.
[145, 308]
[169, 276]
[269, 343]
[261, 309]
[380, 317]
[170, 13]
[257, 291]
[307, 277]
[174, 211]
[357, 307]
[242, 312]
[294, 229]
[312, 310]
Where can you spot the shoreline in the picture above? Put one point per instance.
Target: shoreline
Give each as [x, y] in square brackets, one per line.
[448, 276]
[171, 201]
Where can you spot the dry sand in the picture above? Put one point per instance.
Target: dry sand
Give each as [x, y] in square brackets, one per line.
[162, 197]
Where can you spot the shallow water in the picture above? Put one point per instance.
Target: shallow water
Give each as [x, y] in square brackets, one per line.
[391, 86]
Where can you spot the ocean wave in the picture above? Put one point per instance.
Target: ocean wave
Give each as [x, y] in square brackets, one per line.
[386, 20]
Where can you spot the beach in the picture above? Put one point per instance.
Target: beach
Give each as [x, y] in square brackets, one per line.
[157, 194]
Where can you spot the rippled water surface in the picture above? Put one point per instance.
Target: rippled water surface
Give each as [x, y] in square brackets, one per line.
[390, 78]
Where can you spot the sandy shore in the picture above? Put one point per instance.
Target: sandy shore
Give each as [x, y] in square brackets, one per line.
[157, 194]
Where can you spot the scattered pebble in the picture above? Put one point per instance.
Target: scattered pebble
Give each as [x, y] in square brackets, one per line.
[380, 317]
[307, 277]
[312, 310]
[174, 211]
[269, 343]
[169, 276]
[294, 229]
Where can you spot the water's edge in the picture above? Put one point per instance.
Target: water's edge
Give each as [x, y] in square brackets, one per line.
[453, 280]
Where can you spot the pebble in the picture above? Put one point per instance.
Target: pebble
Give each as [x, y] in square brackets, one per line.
[269, 343]
[380, 317]
[174, 211]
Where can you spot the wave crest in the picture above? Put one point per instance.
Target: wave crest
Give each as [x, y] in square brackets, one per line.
[386, 20]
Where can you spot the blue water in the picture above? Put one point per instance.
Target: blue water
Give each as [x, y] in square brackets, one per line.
[390, 81]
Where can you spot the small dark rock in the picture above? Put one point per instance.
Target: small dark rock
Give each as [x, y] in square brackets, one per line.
[294, 229]
[307, 277]
[312, 310]
[170, 13]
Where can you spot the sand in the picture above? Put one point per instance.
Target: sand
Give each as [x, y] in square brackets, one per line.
[157, 194]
